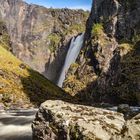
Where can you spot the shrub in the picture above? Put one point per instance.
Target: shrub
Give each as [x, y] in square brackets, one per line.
[136, 38]
[54, 41]
[75, 28]
[97, 29]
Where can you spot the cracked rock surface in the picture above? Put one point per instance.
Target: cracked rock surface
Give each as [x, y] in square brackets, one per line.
[58, 120]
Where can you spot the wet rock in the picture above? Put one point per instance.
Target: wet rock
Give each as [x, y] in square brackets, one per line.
[123, 108]
[2, 106]
[132, 129]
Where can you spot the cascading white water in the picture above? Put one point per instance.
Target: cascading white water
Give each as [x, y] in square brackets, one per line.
[73, 52]
[16, 124]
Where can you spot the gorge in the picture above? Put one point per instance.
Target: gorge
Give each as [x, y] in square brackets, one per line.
[92, 61]
[106, 72]
[40, 36]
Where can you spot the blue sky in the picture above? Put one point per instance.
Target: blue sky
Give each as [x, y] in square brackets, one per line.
[73, 4]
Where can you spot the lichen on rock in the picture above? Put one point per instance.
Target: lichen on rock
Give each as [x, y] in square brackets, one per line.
[65, 121]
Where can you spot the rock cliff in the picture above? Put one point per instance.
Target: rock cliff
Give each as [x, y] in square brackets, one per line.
[40, 36]
[108, 68]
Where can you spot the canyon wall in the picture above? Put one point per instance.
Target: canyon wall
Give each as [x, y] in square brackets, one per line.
[40, 36]
[107, 69]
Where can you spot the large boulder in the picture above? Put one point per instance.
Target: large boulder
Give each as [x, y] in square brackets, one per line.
[132, 129]
[59, 120]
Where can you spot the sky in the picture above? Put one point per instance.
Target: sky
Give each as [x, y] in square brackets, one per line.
[72, 4]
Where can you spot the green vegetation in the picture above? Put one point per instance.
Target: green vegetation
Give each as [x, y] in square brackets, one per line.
[74, 65]
[54, 41]
[72, 85]
[130, 73]
[4, 37]
[20, 82]
[126, 47]
[136, 38]
[97, 29]
[131, 41]
[79, 28]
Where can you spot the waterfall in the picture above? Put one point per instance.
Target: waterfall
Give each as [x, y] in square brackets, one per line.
[72, 54]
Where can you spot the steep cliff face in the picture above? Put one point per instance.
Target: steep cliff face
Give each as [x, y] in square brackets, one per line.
[120, 20]
[108, 67]
[40, 36]
[4, 36]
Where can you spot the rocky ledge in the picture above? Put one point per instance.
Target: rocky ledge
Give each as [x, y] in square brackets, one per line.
[58, 120]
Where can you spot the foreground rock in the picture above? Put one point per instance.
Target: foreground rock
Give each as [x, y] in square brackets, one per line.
[64, 121]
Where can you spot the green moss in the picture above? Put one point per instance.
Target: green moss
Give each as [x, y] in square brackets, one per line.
[74, 65]
[125, 43]
[78, 28]
[54, 41]
[136, 38]
[126, 47]
[97, 29]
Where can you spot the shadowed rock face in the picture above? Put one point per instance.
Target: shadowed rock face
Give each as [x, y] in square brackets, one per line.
[108, 67]
[64, 121]
[120, 21]
[39, 35]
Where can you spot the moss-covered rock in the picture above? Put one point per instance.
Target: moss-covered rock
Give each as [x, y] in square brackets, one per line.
[64, 121]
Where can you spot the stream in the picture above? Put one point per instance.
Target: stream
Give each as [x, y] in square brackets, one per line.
[16, 124]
